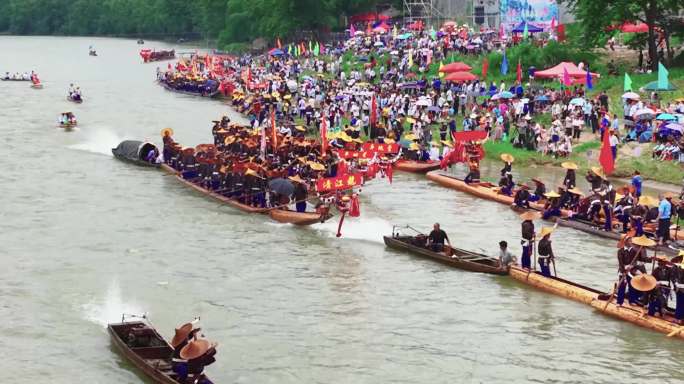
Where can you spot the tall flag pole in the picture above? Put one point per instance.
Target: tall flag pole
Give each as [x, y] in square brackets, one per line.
[324, 134]
[274, 131]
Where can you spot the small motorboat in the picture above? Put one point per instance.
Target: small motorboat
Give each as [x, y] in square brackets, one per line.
[37, 86]
[92, 53]
[67, 121]
[137, 152]
[141, 41]
[75, 98]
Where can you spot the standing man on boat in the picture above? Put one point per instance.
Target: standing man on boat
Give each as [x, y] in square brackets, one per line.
[659, 296]
[436, 238]
[664, 215]
[527, 238]
[636, 184]
[545, 251]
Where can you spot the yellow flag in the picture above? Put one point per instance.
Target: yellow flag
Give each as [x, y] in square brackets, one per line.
[410, 63]
[394, 31]
[441, 65]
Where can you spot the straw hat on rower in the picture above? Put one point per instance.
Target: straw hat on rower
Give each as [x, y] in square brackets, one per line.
[597, 171]
[388, 141]
[447, 143]
[166, 131]
[644, 283]
[181, 334]
[643, 241]
[414, 147]
[317, 166]
[530, 216]
[551, 194]
[296, 179]
[250, 172]
[575, 191]
[195, 349]
[648, 201]
[507, 157]
[569, 165]
[546, 231]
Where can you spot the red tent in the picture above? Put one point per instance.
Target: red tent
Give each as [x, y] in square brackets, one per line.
[416, 26]
[460, 76]
[558, 71]
[456, 67]
[634, 28]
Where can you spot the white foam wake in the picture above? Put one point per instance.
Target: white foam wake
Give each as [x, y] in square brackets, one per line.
[362, 228]
[99, 141]
[109, 309]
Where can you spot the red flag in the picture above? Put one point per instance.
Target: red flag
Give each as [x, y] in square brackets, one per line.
[168, 66]
[274, 134]
[566, 78]
[606, 156]
[368, 28]
[355, 206]
[519, 72]
[324, 136]
[278, 43]
[561, 32]
[553, 23]
[485, 67]
[501, 31]
[374, 111]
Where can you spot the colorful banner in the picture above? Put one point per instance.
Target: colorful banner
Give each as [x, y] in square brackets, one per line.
[341, 182]
[355, 154]
[470, 136]
[537, 12]
[381, 148]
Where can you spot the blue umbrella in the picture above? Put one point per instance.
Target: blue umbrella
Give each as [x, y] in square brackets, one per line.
[541, 98]
[276, 52]
[665, 117]
[505, 95]
[577, 101]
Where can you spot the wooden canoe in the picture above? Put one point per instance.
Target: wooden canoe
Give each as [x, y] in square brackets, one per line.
[297, 218]
[591, 229]
[206, 192]
[416, 166]
[151, 353]
[483, 190]
[555, 285]
[282, 216]
[460, 258]
[67, 126]
[171, 89]
[636, 315]
[77, 101]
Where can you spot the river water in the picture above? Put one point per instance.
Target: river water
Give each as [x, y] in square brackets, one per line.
[85, 238]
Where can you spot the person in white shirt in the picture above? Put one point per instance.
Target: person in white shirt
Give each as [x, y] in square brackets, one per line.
[614, 141]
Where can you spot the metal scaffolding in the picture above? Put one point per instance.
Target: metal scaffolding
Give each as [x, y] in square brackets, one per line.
[424, 10]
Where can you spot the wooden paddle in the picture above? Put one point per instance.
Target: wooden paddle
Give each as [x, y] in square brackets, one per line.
[676, 331]
[615, 287]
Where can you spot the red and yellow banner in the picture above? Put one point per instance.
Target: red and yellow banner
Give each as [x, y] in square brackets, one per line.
[341, 182]
[381, 148]
[355, 154]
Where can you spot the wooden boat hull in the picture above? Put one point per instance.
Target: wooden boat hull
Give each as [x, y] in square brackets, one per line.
[555, 285]
[68, 127]
[461, 261]
[15, 79]
[74, 101]
[206, 192]
[297, 218]
[481, 190]
[635, 315]
[139, 163]
[154, 361]
[591, 229]
[416, 166]
[37, 86]
[170, 89]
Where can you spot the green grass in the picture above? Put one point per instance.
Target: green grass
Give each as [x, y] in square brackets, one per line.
[662, 171]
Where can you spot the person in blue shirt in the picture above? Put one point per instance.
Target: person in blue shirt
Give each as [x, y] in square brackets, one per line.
[664, 215]
[636, 183]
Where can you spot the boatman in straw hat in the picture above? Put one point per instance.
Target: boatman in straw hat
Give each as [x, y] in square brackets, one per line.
[508, 164]
[552, 207]
[182, 336]
[545, 252]
[569, 181]
[658, 297]
[631, 261]
[527, 238]
[196, 355]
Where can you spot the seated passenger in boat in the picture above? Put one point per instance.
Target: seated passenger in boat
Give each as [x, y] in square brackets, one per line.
[506, 184]
[659, 296]
[436, 239]
[505, 257]
[197, 354]
[552, 207]
[539, 190]
[522, 197]
[299, 193]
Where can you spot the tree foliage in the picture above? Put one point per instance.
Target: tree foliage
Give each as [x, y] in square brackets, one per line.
[230, 21]
[595, 18]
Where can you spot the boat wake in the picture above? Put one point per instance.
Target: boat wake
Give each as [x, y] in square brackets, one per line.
[100, 142]
[364, 228]
[109, 309]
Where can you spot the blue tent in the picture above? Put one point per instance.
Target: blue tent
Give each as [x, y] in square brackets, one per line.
[531, 28]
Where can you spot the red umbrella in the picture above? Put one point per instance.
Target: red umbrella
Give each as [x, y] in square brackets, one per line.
[634, 28]
[460, 76]
[456, 67]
